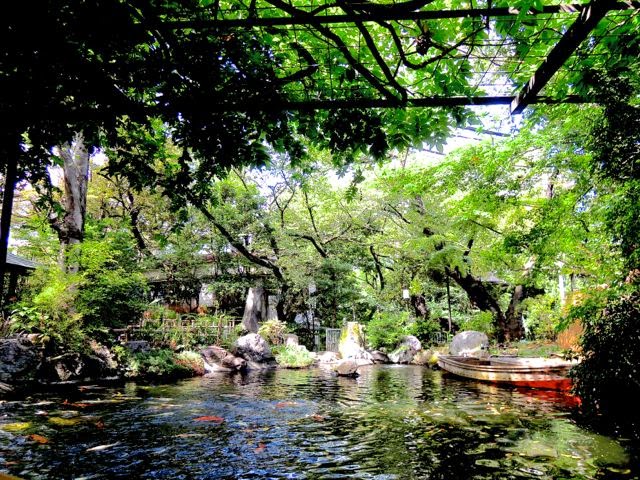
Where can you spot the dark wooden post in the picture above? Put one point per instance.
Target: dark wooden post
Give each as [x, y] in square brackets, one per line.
[5, 220]
[449, 302]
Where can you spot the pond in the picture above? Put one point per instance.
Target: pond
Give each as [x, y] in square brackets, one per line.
[393, 422]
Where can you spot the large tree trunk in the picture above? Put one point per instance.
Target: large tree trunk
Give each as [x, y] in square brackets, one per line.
[513, 327]
[420, 307]
[481, 297]
[254, 309]
[70, 227]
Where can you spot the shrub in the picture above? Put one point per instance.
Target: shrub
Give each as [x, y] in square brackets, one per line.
[112, 299]
[480, 321]
[51, 310]
[386, 329]
[294, 356]
[273, 331]
[608, 374]
[191, 360]
[423, 329]
[541, 317]
[161, 363]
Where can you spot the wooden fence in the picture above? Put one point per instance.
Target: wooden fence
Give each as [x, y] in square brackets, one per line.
[183, 328]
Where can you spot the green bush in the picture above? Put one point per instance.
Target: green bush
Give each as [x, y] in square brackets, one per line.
[51, 311]
[480, 321]
[386, 329]
[541, 317]
[273, 331]
[112, 299]
[608, 375]
[423, 329]
[163, 363]
[192, 361]
[293, 356]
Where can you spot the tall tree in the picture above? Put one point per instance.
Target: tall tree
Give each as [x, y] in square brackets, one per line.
[68, 221]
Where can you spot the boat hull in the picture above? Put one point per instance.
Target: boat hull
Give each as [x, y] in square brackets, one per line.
[530, 373]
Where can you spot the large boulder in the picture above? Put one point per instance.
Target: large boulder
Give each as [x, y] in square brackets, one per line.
[64, 368]
[105, 359]
[347, 368]
[402, 354]
[406, 350]
[217, 359]
[20, 359]
[352, 343]
[469, 344]
[291, 339]
[255, 350]
[74, 366]
[379, 357]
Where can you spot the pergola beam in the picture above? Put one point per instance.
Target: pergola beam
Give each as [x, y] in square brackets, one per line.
[314, 20]
[66, 114]
[566, 46]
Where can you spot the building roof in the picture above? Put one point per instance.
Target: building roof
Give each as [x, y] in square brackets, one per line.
[20, 262]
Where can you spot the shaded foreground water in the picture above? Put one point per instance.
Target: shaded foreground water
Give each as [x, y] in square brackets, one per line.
[392, 422]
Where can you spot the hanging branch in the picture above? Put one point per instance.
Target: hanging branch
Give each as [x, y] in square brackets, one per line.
[234, 242]
[398, 213]
[443, 51]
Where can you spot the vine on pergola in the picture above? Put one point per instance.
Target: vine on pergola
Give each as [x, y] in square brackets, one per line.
[227, 77]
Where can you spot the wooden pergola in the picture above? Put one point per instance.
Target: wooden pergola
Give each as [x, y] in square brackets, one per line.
[497, 76]
[357, 54]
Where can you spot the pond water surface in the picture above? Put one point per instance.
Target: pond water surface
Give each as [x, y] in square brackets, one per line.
[393, 422]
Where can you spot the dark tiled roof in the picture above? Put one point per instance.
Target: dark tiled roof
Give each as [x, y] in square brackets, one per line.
[17, 261]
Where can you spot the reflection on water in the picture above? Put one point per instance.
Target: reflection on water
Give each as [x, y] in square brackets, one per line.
[390, 423]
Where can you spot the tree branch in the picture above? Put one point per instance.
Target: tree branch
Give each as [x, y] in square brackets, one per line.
[323, 253]
[376, 260]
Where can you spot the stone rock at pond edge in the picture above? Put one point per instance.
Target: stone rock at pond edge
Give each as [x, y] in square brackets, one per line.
[291, 339]
[425, 357]
[402, 354]
[217, 359]
[74, 366]
[379, 357]
[406, 350]
[327, 357]
[469, 344]
[104, 356]
[255, 350]
[347, 368]
[20, 358]
[65, 367]
[412, 342]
